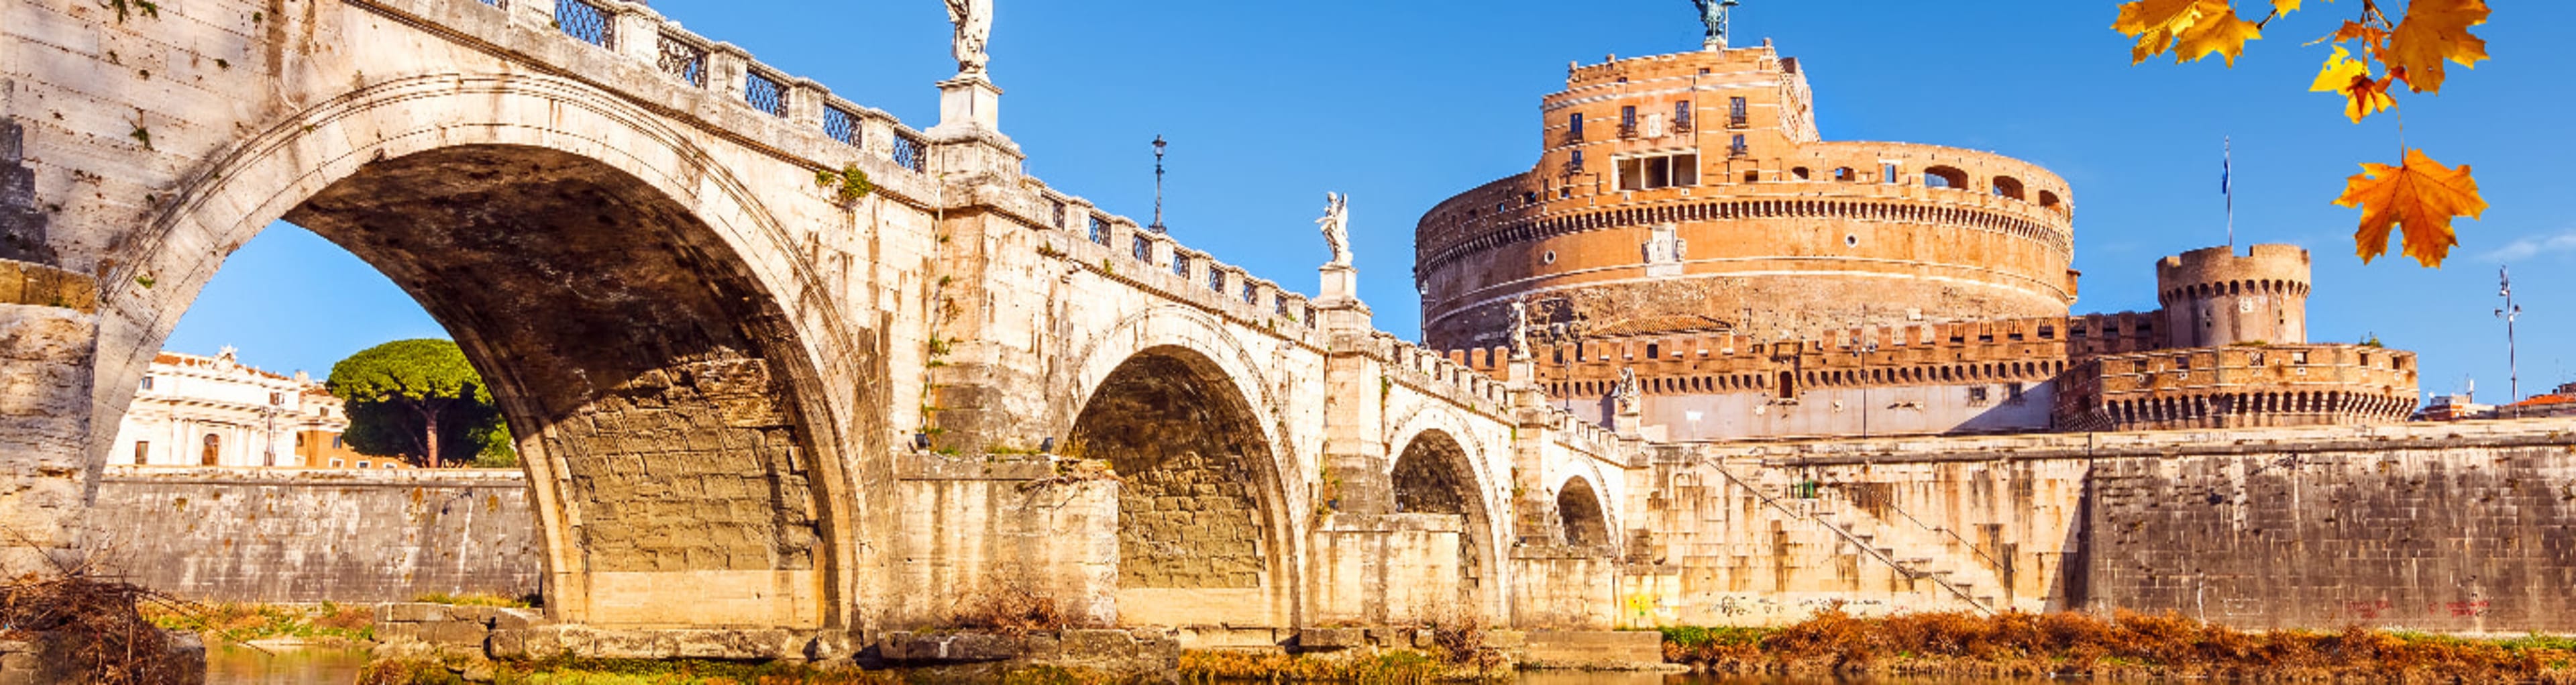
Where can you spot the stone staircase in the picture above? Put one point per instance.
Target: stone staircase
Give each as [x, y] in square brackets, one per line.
[1914, 550]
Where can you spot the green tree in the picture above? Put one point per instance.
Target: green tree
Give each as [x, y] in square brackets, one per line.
[419, 398]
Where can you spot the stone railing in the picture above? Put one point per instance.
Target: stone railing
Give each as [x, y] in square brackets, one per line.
[1117, 247]
[634, 31]
[1437, 375]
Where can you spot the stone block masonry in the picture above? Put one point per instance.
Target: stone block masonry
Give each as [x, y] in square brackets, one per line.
[2446, 537]
[270, 535]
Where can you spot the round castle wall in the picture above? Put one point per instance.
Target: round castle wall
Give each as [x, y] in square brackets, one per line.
[2213, 297]
[1673, 208]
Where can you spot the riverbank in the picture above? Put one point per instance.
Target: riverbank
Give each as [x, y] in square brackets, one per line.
[2127, 647]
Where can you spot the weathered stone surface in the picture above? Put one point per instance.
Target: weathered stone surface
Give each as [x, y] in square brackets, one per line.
[258, 535]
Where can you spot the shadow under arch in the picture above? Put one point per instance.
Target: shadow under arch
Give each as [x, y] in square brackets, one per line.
[1203, 534]
[1579, 514]
[1435, 475]
[643, 321]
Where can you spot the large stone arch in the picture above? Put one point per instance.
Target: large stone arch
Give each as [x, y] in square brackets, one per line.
[1434, 473]
[680, 389]
[1204, 336]
[1205, 531]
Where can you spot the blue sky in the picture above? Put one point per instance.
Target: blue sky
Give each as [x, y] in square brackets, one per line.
[1401, 104]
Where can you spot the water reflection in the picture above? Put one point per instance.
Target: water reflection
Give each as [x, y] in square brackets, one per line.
[239, 665]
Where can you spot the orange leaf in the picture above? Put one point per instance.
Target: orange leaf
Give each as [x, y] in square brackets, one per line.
[2419, 198]
[2190, 28]
[2363, 95]
[2434, 31]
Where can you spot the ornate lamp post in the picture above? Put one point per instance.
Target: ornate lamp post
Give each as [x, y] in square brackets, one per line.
[1158, 185]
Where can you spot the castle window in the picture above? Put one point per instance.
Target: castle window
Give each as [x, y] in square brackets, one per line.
[1574, 127]
[336, 443]
[1654, 351]
[1753, 177]
[1977, 396]
[1887, 174]
[1736, 112]
[1788, 385]
[147, 382]
[1945, 177]
[2007, 186]
[1798, 173]
[1628, 121]
[1682, 116]
[1846, 175]
[336, 463]
[142, 452]
[2012, 394]
[1737, 148]
[1576, 163]
[1661, 171]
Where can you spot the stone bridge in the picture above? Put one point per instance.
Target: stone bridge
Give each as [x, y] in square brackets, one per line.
[747, 400]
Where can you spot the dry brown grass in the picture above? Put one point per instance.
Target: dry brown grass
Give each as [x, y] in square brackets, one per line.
[2125, 646]
[1012, 605]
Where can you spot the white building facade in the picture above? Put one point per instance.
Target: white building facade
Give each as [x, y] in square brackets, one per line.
[193, 410]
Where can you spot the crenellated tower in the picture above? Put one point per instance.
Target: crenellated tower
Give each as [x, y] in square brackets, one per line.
[2213, 297]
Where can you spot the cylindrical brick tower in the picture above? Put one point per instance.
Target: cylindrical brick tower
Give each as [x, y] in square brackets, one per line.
[1691, 193]
[2214, 298]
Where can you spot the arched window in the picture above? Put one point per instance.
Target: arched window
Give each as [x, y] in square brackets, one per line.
[1945, 177]
[1799, 173]
[2008, 186]
[1845, 174]
[2049, 199]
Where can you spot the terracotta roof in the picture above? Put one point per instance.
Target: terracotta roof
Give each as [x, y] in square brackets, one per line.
[2545, 400]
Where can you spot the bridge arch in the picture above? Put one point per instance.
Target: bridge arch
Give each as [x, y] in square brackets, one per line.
[1579, 512]
[1205, 528]
[1434, 473]
[642, 318]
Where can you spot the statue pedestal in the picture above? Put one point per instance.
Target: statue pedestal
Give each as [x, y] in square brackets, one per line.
[1340, 283]
[969, 101]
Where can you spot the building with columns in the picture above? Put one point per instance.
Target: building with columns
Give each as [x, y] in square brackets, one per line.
[192, 410]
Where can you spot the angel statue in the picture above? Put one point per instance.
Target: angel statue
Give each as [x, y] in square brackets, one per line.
[974, 22]
[1337, 227]
[1712, 13]
[1626, 393]
[1520, 329]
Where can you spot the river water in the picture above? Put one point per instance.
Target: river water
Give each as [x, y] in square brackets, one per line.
[237, 665]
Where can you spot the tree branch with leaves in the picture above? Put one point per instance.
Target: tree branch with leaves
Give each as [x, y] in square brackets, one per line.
[2418, 197]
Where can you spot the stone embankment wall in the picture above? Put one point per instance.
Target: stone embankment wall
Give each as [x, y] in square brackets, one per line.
[2465, 529]
[278, 535]
[2440, 527]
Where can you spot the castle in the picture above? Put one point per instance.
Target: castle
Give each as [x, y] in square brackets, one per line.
[1687, 226]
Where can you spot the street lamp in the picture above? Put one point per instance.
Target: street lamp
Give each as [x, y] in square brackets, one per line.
[2509, 313]
[1158, 185]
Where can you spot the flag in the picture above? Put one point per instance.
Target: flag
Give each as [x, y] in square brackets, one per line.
[2227, 170]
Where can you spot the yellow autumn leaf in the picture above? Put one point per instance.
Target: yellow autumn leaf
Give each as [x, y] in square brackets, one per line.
[2419, 198]
[2221, 32]
[2434, 31]
[2190, 28]
[2363, 95]
[2285, 6]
